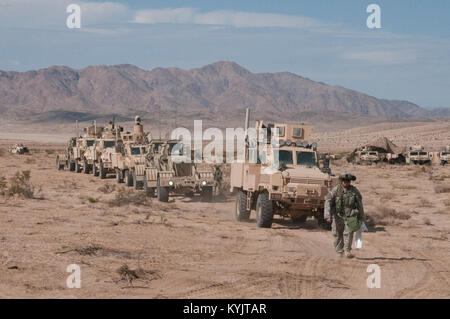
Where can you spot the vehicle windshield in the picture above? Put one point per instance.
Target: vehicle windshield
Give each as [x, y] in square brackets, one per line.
[135, 151]
[423, 153]
[90, 142]
[285, 157]
[109, 144]
[306, 158]
[144, 150]
[373, 153]
[363, 153]
[445, 153]
[413, 153]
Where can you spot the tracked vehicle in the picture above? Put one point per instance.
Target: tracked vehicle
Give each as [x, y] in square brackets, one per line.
[285, 180]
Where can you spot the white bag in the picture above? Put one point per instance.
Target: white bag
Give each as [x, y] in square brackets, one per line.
[358, 238]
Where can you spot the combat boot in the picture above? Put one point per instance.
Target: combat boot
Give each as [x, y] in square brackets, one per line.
[349, 254]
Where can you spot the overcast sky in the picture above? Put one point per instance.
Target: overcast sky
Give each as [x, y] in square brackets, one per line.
[327, 41]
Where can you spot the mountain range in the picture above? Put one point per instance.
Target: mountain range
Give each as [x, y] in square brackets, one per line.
[218, 92]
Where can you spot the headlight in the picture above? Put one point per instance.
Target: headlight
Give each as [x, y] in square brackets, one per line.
[170, 183]
[203, 183]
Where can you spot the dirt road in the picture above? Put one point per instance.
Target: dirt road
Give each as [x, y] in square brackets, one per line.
[190, 249]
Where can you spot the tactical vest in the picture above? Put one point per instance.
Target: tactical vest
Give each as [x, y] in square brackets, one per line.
[346, 202]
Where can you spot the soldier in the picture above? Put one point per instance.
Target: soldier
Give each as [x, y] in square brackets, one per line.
[344, 208]
[218, 179]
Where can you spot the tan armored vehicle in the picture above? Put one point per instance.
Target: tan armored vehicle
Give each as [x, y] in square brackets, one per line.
[292, 186]
[444, 155]
[367, 157]
[168, 171]
[74, 158]
[18, 149]
[128, 161]
[98, 158]
[417, 155]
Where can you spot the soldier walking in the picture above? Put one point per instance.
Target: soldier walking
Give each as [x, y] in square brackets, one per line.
[344, 208]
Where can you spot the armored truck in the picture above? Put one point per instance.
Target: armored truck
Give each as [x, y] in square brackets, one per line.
[367, 157]
[285, 180]
[444, 155]
[417, 155]
[168, 171]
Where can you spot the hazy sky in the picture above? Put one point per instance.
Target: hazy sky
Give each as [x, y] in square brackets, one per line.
[327, 41]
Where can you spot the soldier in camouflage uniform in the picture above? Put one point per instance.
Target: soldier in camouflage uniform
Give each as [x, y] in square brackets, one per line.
[343, 201]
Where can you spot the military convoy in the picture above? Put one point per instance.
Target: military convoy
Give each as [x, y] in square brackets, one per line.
[285, 180]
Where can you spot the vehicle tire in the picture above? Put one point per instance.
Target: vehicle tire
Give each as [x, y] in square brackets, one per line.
[240, 208]
[85, 167]
[299, 220]
[102, 171]
[162, 193]
[95, 171]
[77, 167]
[264, 211]
[128, 178]
[150, 191]
[71, 165]
[207, 194]
[119, 176]
[137, 185]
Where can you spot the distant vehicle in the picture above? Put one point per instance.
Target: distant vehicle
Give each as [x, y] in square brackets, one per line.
[367, 157]
[444, 156]
[417, 155]
[18, 149]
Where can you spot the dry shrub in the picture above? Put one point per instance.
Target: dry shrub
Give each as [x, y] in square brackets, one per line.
[440, 189]
[20, 185]
[3, 185]
[427, 221]
[447, 202]
[107, 188]
[128, 274]
[126, 197]
[93, 200]
[30, 161]
[49, 152]
[425, 203]
[386, 216]
[89, 250]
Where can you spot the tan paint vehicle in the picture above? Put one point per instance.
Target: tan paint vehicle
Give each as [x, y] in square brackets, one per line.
[293, 186]
[444, 156]
[367, 157]
[417, 155]
[167, 172]
[18, 149]
[128, 161]
[73, 158]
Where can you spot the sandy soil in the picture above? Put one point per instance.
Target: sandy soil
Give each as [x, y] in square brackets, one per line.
[190, 249]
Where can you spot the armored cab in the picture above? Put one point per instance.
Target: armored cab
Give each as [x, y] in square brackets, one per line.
[285, 179]
[417, 155]
[128, 161]
[168, 171]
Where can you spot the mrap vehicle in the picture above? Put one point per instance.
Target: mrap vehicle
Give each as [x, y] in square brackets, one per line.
[285, 181]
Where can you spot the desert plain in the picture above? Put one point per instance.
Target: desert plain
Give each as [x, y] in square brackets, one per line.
[128, 245]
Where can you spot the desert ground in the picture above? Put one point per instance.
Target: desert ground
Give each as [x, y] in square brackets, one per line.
[129, 245]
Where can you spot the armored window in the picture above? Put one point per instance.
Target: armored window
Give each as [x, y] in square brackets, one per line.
[144, 150]
[90, 143]
[135, 151]
[413, 153]
[363, 153]
[279, 131]
[306, 158]
[423, 153]
[445, 153]
[107, 144]
[297, 132]
[373, 153]
[285, 157]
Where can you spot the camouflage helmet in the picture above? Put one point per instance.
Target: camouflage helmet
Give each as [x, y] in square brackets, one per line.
[347, 177]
